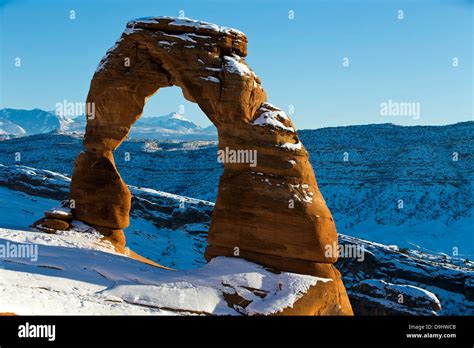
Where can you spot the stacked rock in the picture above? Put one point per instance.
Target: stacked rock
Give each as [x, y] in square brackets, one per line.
[58, 219]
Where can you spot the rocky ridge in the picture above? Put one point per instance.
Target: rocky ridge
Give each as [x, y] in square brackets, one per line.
[374, 284]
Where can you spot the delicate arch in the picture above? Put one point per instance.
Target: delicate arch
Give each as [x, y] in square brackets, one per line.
[271, 213]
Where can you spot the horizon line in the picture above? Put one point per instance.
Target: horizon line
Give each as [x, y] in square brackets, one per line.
[299, 129]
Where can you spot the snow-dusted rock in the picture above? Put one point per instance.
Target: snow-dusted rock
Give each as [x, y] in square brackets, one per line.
[389, 280]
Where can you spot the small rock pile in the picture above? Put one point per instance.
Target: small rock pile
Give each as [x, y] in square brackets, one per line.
[58, 219]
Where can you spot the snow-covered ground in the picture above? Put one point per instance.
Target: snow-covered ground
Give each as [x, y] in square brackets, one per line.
[19, 209]
[76, 273]
[171, 230]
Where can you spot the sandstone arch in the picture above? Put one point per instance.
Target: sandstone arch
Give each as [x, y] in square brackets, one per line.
[272, 214]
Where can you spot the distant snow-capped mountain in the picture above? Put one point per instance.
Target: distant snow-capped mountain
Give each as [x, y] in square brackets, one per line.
[171, 126]
[18, 123]
[171, 121]
[8, 128]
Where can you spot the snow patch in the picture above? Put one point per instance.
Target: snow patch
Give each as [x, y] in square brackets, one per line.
[273, 117]
[234, 64]
[210, 78]
[187, 22]
[183, 37]
[302, 193]
[291, 147]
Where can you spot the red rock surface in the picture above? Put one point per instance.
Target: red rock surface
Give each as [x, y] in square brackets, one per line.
[271, 213]
[51, 225]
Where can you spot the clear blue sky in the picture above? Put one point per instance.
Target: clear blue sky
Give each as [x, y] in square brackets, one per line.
[299, 61]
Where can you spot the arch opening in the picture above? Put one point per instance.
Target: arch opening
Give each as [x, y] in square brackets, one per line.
[167, 229]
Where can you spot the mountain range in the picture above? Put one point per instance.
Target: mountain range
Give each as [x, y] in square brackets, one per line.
[16, 123]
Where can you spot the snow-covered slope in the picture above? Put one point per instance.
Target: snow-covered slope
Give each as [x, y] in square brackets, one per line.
[391, 280]
[9, 129]
[76, 273]
[171, 230]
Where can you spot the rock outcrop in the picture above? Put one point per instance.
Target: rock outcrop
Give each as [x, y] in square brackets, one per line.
[269, 209]
[396, 281]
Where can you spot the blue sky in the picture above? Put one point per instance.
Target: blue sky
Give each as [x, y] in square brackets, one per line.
[300, 60]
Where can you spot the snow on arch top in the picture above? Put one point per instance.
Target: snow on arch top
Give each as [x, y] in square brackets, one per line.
[229, 37]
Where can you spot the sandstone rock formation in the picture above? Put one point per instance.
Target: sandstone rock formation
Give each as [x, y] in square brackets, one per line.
[270, 212]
